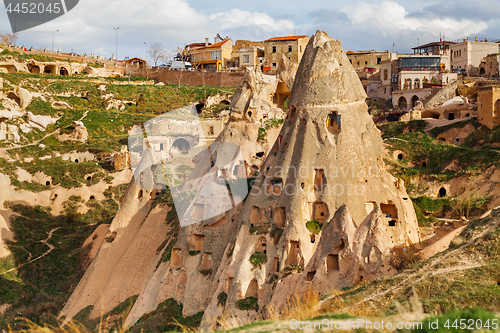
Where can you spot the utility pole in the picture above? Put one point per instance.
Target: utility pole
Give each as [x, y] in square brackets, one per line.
[53, 32]
[116, 53]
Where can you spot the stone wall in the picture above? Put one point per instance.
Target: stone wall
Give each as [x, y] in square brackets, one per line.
[488, 104]
[195, 78]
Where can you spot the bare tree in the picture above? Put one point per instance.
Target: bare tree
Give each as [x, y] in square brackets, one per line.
[158, 53]
[9, 39]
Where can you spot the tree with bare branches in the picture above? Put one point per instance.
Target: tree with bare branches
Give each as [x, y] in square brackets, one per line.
[157, 53]
[9, 39]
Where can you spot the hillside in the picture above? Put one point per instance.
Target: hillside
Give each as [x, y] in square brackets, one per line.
[56, 193]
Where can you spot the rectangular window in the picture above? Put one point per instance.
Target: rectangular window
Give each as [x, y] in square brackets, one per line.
[379, 60]
[289, 48]
[214, 55]
[274, 49]
[274, 64]
[246, 59]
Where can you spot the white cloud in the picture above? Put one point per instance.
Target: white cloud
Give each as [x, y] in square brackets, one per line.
[253, 25]
[392, 19]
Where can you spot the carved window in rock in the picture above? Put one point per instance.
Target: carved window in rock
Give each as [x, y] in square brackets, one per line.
[276, 186]
[332, 262]
[228, 283]
[333, 123]
[320, 211]
[176, 258]
[294, 254]
[253, 289]
[279, 217]
[390, 212]
[257, 216]
[206, 261]
[319, 180]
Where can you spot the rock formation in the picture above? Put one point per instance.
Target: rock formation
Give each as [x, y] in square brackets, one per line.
[325, 172]
[142, 255]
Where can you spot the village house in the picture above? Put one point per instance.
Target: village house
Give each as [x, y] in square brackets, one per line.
[292, 47]
[490, 65]
[488, 106]
[362, 60]
[213, 58]
[253, 49]
[468, 55]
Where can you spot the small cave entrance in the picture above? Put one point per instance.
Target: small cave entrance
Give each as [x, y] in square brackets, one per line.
[319, 180]
[391, 213]
[182, 145]
[197, 242]
[199, 107]
[64, 71]
[228, 283]
[320, 211]
[333, 123]
[293, 256]
[310, 276]
[50, 69]
[442, 192]
[34, 69]
[198, 212]
[260, 154]
[279, 217]
[451, 116]
[332, 262]
[14, 97]
[139, 196]
[253, 289]
[424, 164]
[92, 197]
[256, 216]
[176, 259]
[276, 186]
[276, 264]
[206, 261]
[47, 183]
[400, 157]
[261, 245]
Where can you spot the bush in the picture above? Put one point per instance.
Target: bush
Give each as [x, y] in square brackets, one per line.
[292, 269]
[249, 303]
[222, 298]
[258, 258]
[313, 226]
[402, 256]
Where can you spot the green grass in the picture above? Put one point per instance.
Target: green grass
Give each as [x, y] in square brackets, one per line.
[164, 319]
[267, 125]
[38, 290]
[469, 320]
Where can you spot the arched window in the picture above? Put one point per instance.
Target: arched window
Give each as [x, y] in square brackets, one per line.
[424, 81]
[416, 84]
[402, 103]
[433, 80]
[408, 84]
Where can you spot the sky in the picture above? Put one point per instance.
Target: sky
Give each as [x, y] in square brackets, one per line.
[359, 25]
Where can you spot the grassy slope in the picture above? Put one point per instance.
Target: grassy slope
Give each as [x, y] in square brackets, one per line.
[38, 290]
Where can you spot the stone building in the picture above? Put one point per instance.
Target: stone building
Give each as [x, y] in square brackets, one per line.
[469, 54]
[370, 59]
[490, 65]
[292, 47]
[488, 105]
[251, 57]
[214, 58]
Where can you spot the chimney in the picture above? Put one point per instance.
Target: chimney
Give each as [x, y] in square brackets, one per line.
[206, 41]
[215, 40]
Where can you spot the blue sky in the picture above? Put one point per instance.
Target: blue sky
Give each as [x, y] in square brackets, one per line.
[360, 25]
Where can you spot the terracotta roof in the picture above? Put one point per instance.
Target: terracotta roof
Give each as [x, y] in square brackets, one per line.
[218, 44]
[274, 39]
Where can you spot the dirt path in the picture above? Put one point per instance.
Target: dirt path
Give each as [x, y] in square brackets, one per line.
[425, 271]
[44, 241]
[40, 140]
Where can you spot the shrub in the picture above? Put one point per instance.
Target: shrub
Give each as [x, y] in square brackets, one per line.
[292, 269]
[194, 253]
[249, 303]
[258, 258]
[313, 226]
[403, 256]
[222, 298]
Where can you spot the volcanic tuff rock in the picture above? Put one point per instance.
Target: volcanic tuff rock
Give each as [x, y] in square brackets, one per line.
[192, 254]
[326, 172]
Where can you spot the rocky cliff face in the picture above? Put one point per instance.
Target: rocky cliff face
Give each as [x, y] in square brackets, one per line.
[322, 212]
[323, 204]
[181, 261]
